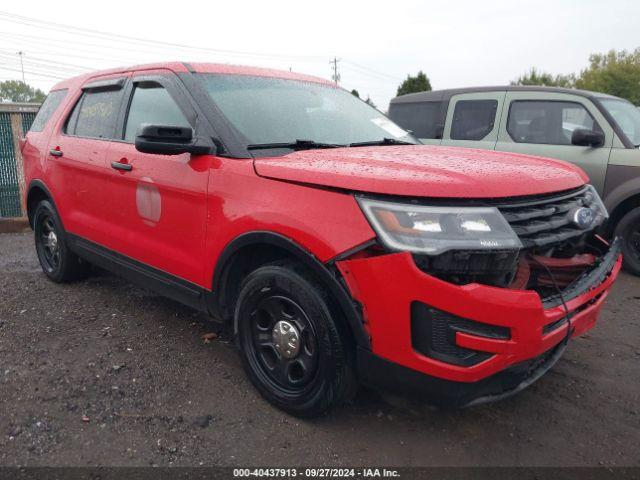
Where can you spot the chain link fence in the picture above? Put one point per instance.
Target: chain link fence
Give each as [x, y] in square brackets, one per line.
[15, 121]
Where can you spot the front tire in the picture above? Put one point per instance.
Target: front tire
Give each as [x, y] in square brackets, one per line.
[629, 229]
[293, 345]
[58, 262]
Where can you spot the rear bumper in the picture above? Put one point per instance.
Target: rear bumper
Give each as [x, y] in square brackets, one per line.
[388, 285]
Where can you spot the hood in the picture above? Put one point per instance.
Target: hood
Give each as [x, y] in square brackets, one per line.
[424, 171]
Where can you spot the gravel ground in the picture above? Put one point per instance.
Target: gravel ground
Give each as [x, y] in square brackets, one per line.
[105, 373]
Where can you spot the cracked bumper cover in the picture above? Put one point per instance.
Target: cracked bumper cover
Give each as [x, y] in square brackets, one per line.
[387, 285]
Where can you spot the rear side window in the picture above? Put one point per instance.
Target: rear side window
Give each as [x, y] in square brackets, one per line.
[422, 118]
[547, 122]
[50, 105]
[473, 119]
[152, 103]
[94, 116]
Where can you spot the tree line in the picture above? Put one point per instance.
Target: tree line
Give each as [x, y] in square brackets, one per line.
[615, 72]
[18, 91]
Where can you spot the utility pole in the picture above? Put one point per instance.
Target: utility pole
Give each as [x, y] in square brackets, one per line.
[336, 75]
[20, 54]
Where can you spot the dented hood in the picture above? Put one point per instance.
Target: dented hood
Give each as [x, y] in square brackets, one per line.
[424, 171]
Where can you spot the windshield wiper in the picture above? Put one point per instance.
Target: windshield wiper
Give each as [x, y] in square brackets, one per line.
[297, 145]
[384, 141]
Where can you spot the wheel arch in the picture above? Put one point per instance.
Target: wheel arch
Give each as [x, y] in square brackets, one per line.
[621, 201]
[37, 192]
[253, 249]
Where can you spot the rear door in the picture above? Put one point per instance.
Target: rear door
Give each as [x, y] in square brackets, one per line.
[159, 201]
[473, 120]
[76, 157]
[542, 123]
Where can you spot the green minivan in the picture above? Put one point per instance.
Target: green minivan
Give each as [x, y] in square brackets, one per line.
[599, 133]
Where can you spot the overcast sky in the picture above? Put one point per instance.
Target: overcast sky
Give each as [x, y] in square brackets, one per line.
[460, 43]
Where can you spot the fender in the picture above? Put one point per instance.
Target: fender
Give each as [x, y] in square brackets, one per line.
[623, 191]
[329, 279]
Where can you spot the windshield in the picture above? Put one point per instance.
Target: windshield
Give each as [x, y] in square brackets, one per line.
[626, 115]
[274, 110]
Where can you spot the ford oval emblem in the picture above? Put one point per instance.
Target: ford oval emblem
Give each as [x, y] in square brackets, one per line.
[583, 217]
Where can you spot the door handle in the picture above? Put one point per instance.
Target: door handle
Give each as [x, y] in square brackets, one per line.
[55, 152]
[122, 166]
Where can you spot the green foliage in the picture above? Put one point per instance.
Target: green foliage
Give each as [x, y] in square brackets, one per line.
[18, 91]
[535, 77]
[615, 73]
[355, 93]
[419, 83]
[370, 102]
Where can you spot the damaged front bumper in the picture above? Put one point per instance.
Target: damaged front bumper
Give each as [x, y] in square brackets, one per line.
[464, 345]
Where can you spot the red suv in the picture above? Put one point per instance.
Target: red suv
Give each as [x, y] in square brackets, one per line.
[337, 248]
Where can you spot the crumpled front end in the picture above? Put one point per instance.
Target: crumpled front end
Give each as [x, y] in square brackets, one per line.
[491, 324]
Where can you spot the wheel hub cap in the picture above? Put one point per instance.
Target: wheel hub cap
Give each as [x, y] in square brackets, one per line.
[53, 240]
[286, 339]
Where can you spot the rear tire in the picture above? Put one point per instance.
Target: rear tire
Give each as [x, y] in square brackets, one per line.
[629, 229]
[293, 345]
[58, 262]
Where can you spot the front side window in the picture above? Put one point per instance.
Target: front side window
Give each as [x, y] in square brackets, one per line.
[547, 122]
[94, 116]
[274, 110]
[421, 118]
[626, 115]
[151, 103]
[50, 105]
[473, 119]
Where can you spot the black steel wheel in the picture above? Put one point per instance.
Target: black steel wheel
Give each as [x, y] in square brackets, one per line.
[58, 262]
[294, 347]
[284, 343]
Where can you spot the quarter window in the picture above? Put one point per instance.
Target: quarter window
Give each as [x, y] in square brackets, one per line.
[50, 105]
[94, 116]
[422, 118]
[473, 119]
[152, 103]
[547, 122]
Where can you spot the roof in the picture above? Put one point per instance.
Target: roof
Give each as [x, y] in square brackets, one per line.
[184, 67]
[437, 95]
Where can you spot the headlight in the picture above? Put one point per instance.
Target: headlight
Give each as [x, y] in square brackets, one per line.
[594, 202]
[434, 230]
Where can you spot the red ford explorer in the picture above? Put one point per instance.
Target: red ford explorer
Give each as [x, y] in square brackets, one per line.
[337, 249]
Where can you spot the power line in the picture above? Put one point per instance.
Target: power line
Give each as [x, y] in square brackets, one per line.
[2, 67]
[102, 35]
[370, 70]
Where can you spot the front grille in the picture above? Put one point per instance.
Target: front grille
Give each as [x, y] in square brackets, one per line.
[545, 222]
[433, 334]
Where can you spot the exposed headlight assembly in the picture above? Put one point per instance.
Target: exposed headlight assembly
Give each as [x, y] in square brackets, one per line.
[594, 202]
[434, 230]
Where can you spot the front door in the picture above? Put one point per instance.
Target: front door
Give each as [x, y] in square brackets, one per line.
[159, 200]
[542, 123]
[473, 120]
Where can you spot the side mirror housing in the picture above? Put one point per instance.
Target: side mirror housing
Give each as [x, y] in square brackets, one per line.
[169, 140]
[587, 138]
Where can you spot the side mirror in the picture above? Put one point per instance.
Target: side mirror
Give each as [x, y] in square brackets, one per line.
[587, 138]
[169, 140]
